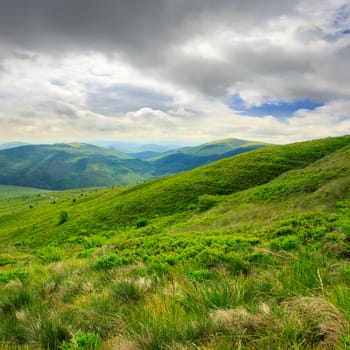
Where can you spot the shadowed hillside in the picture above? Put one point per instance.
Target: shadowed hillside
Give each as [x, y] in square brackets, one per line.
[69, 166]
[65, 166]
[187, 158]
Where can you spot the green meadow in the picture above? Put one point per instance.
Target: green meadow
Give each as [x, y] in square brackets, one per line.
[249, 252]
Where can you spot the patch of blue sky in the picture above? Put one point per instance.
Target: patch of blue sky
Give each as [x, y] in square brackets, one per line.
[339, 25]
[280, 109]
[336, 35]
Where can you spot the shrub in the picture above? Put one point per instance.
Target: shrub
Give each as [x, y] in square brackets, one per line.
[284, 243]
[62, 218]
[109, 261]
[85, 253]
[92, 242]
[12, 275]
[83, 341]
[209, 257]
[49, 254]
[142, 222]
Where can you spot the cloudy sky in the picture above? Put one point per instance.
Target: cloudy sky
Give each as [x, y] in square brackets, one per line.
[184, 71]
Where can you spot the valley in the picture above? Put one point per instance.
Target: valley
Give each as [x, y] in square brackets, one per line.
[78, 165]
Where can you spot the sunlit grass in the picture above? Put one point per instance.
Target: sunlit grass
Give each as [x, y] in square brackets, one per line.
[264, 268]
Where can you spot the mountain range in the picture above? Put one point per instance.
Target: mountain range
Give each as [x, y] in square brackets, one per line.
[64, 166]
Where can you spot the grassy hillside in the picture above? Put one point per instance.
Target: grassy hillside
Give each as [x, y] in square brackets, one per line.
[187, 158]
[64, 166]
[251, 260]
[17, 191]
[76, 165]
[177, 193]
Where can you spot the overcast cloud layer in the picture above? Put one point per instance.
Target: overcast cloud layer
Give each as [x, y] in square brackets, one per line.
[174, 70]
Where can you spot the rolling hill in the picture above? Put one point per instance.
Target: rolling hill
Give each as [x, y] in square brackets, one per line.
[65, 166]
[248, 252]
[8, 145]
[7, 191]
[187, 158]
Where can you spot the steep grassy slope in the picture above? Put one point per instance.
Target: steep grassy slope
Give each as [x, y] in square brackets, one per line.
[187, 158]
[176, 193]
[69, 166]
[265, 266]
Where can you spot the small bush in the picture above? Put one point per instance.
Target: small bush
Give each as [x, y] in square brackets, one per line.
[92, 242]
[85, 253]
[83, 341]
[62, 218]
[284, 243]
[109, 261]
[49, 254]
[209, 257]
[12, 275]
[88, 341]
[142, 222]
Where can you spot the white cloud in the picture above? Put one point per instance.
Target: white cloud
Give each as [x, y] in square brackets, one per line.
[157, 71]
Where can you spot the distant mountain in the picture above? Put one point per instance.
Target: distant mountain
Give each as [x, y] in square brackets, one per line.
[77, 165]
[64, 166]
[8, 145]
[130, 147]
[187, 158]
[144, 154]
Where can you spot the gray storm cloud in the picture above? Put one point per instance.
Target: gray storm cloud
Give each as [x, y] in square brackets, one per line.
[150, 35]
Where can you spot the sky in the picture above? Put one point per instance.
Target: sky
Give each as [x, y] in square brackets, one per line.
[174, 71]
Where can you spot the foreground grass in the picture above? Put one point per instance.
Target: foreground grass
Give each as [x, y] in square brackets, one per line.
[283, 287]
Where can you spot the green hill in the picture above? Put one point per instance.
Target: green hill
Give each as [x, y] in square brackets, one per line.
[16, 191]
[223, 177]
[65, 166]
[187, 158]
[248, 252]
